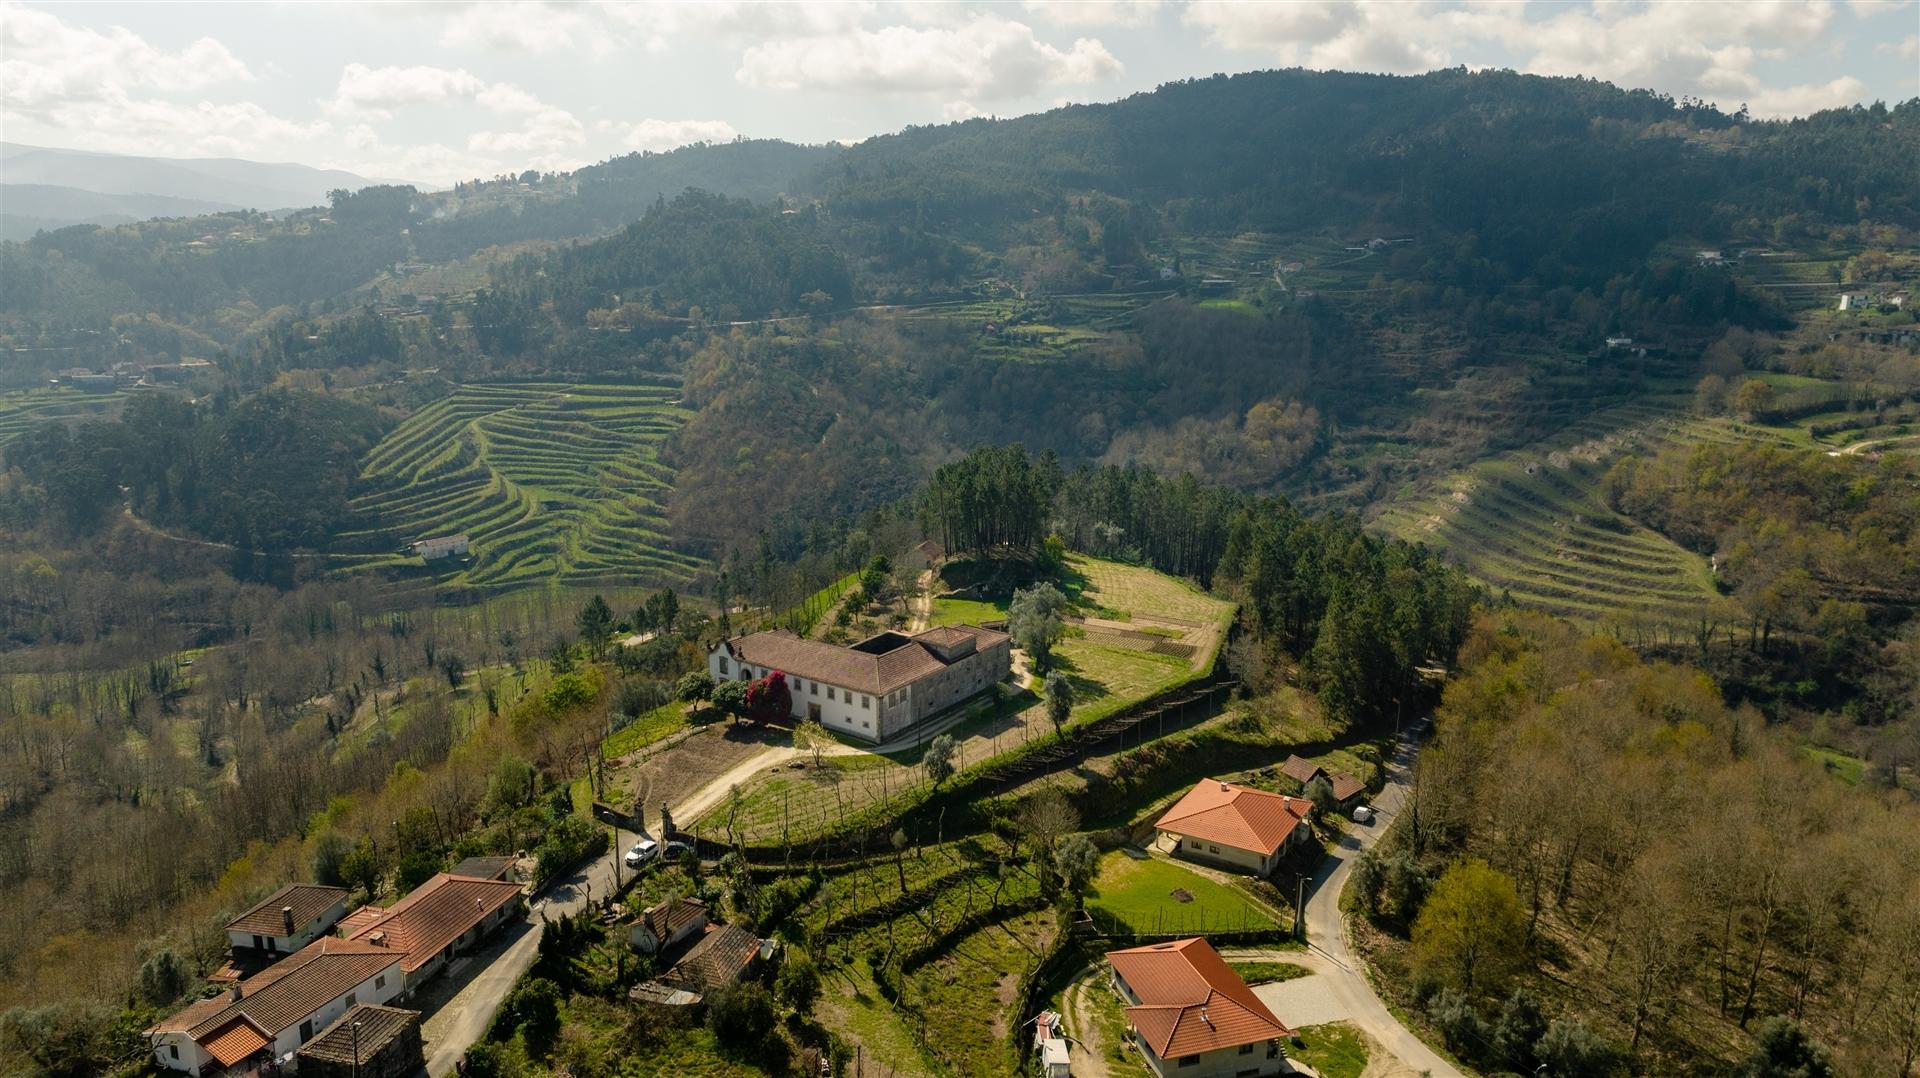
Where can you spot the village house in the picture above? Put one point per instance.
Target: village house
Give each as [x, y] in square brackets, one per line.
[441, 918]
[274, 1012]
[721, 956]
[1346, 789]
[664, 925]
[1234, 826]
[1192, 1016]
[878, 687]
[280, 924]
[445, 546]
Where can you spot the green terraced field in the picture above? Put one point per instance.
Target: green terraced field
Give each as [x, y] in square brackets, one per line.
[24, 408]
[1531, 523]
[550, 482]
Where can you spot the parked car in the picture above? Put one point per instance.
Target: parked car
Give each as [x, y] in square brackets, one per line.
[643, 851]
[1362, 814]
[674, 849]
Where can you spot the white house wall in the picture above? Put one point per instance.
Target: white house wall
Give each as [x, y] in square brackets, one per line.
[877, 718]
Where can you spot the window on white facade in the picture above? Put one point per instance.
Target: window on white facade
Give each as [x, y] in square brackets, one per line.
[1211, 848]
[866, 702]
[1188, 1061]
[352, 998]
[814, 688]
[1246, 1049]
[173, 1051]
[829, 692]
[306, 1031]
[725, 669]
[380, 981]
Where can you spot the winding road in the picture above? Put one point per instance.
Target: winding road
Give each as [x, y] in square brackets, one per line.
[1341, 975]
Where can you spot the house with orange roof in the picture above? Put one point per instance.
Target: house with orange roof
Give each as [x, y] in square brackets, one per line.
[280, 925]
[1193, 1017]
[1234, 826]
[275, 1011]
[443, 917]
[1346, 788]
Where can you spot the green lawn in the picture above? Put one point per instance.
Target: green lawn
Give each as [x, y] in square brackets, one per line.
[1259, 971]
[1335, 1049]
[1240, 305]
[969, 611]
[1140, 894]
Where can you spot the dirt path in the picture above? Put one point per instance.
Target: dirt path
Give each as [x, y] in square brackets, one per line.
[1087, 1051]
[1871, 443]
[922, 604]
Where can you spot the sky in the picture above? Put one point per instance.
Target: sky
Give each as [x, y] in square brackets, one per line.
[438, 92]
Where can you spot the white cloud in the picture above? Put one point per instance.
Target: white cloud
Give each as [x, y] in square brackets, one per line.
[1801, 100]
[1866, 9]
[1092, 14]
[512, 26]
[47, 62]
[960, 110]
[662, 135]
[1908, 48]
[378, 91]
[986, 56]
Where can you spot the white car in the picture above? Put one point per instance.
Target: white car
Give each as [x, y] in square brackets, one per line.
[1362, 814]
[643, 851]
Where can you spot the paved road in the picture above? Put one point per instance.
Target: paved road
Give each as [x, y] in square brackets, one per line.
[1342, 975]
[464, 1018]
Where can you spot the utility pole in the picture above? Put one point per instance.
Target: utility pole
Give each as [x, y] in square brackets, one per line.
[356, 1049]
[1299, 906]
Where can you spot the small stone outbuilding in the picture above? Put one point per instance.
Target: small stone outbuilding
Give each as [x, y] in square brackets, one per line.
[388, 1045]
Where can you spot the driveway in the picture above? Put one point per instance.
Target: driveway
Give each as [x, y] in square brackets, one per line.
[1340, 975]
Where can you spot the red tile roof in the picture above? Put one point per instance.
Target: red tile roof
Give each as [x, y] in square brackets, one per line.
[280, 996]
[817, 660]
[665, 918]
[1345, 786]
[716, 960]
[438, 912]
[1237, 816]
[1301, 769]
[1190, 1000]
[359, 919]
[234, 1042]
[309, 901]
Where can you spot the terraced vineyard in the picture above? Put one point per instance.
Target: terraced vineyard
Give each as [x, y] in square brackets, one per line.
[23, 409]
[549, 481]
[1531, 523]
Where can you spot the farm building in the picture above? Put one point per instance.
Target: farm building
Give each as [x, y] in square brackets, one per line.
[367, 1041]
[878, 687]
[446, 546]
[1191, 1014]
[1346, 788]
[1234, 826]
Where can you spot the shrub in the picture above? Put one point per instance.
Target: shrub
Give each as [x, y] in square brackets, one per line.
[330, 850]
[1571, 1050]
[1518, 1028]
[742, 1019]
[694, 686]
[569, 841]
[798, 984]
[1453, 1014]
[164, 976]
[1787, 1050]
[415, 869]
[1472, 931]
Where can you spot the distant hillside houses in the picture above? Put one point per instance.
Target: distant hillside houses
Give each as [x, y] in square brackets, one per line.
[1861, 299]
[878, 687]
[445, 546]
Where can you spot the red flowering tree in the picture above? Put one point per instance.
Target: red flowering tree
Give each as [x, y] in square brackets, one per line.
[769, 699]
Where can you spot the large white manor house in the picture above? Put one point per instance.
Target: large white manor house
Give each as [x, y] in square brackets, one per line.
[877, 688]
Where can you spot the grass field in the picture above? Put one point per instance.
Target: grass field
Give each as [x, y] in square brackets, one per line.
[23, 409]
[1335, 1049]
[1531, 523]
[970, 611]
[1141, 894]
[550, 481]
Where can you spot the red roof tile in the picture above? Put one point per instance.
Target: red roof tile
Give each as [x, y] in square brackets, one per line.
[438, 912]
[1345, 786]
[287, 992]
[234, 1042]
[715, 960]
[359, 919]
[1301, 769]
[1190, 1000]
[1237, 816]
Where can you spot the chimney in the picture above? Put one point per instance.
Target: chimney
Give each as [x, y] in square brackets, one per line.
[237, 991]
[1204, 1018]
[286, 918]
[378, 939]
